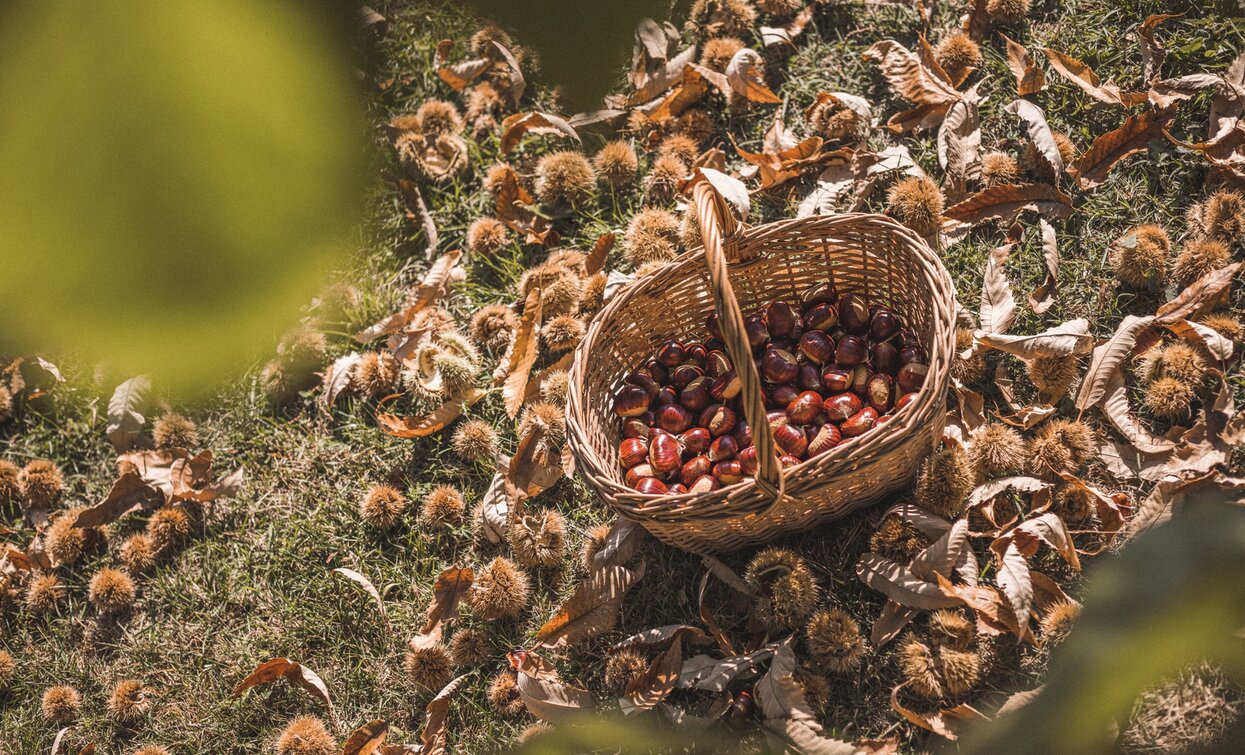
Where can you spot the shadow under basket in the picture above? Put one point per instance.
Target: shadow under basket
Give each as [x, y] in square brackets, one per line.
[739, 270]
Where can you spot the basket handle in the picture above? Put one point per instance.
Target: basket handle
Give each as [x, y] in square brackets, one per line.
[717, 226]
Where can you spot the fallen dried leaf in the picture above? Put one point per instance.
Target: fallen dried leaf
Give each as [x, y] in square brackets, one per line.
[515, 126]
[544, 695]
[909, 76]
[420, 427]
[1004, 204]
[125, 421]
[592, 608]
[294, 673]
[947, 722]
[367, 586]
[1030, 79]
[1136, 133]
[1071, 337]
[366, 739]
[448, 590]
[1083, 76]
[1043, 297]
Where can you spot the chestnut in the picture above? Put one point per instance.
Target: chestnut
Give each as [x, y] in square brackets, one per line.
[726, 386]
[780, 319]
[804, 407]
[755, 330]
[651, 486]
[851, 351]
[637, 427]
[632, 452]
[644, 380]
[911, 376]
[781, 395]
[885, 358]
[717, 363]
[664, 453]
[695, 395]
[907, 338]
[674, 419]
[693, 468]
[859, 423]
[658, 371]
[836, 379]
[671, 353]
[718, 419]
[854, 314]
[779, 366]
[817, 346]
[821, 317]
[704, 484]
[777, 419]
[696, 352]
[748, 460]
[638, 472]
[677, 489]
[826, 438]
[631, 401]
[840, 406]
[904, 400]
[743, 434]
[819, 293]
[809, 377]
[723, 447]
[696, 440]
[711, 325]
[860, 380]
[787, 460]
[682, 375]
[879, 390]
[665, 397]
[910, 354]
[883, 325]
[728, 472]
[883, 420]
[791, 439]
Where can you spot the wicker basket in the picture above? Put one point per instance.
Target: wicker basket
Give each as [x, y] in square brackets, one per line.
[867, 254]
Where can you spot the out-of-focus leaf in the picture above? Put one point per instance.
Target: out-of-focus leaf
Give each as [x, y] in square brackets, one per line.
[125, 421]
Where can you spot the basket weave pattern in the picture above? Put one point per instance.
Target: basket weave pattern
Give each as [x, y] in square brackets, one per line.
[870, 255]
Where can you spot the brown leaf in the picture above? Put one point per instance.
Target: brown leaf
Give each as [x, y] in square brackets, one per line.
[777, 168]
[786, 35]
[998, 305]
[338, 375]
[1035, 123]
[947, 722]
[127, 493]
[417, 210]
[1043, 297]
[436, 281]
[622, 542]
[1013, 578]
[530, 470]
[691, 90]
[1206, 338]
[897, 582]
[1047, 528]
[670, 73]
[716, 674]
[1092, 167]
[890, 622]
[745, 74]
[1116, 408]
[1202, 296]
[459, 76]
[1153, 52]
[1083, 76]
[658, 680]
[1005, 203]
[728, 575]
[367, 739]
[515, 126]
[1030, 78]
[909, 76]
[517, 83]
[592, 608]
[919, 118]
[435, 714]
[294, 673]
[512, 207]
[367, 586]
[994, 616]
[450, 587]
[595, 262]
[522, 354]
[977, 21]
[1071, 337]
[494, 511]
[544, 695]
[959, 144]
[711, 623]
[125, 421]
[1109, 358]
[534, 385]
[658, 637]
[786, 709]
[420, 427]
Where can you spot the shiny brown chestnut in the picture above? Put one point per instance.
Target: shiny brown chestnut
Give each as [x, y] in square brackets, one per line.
[841, 406]
[854, 314]
[638, 427]
[696, 440]
[910, 354]
[859, 423]
[645, 381]
[880, 390]
[781, 395]
[885, 358]
[755, 330]
[836, 379]
[860, 380]
[809, 377]
[804, 407]
[884, 324]
[911, 376]
[632, 452]
[781, 319]
[718, 419]
[904, 400]
[779, 366]
[826, 438]
[817, 346]
[723, 447]
[683, 374]
[791, 439]
[787, 460]
[693, 468]
[821, 317]
[674, 419]
[748, 460]
[651, 486]
[677, 489]
[704, 484]
[665, 397]
[851, 351]
[664, 453]
[906, 338]
[717, 364]
[726, 386]
[819, 293]
[777, 419]
[638, 472]
[695, 395]
[658, 371]
[728, 472]
[631, 401]
[671, 353]
[743, 433]
[696, 352]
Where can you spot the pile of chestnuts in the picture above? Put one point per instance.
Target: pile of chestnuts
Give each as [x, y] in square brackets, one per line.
[833, 368]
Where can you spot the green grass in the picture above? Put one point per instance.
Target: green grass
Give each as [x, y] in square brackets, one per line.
[256, 581]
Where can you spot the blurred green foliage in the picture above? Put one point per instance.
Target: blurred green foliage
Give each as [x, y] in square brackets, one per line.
[178, 178]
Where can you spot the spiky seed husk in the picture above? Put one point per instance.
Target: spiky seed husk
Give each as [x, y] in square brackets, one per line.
[60, 704]
[716, 18]
[64, 542]
[960, 670]
[1181, 361]
[554, 387]
[548, 416]
[7, 667]
[377, 374]
[138, 553]
[969, 371]
[503, 695]
[111, 591]
[999, 169]
[834, 639]
[495, 177]
[717, 52]
[429, 667]
[919, 669]
[1007, 11]
[1223, 323]
[382, 506]
[493, 327]
[42, 483]
[958, 54]
[592, 297]
[1140, 257]
[483, 102]
[1074, 504]
[1198, 258]
[1223, 216]
[594, 541]
[443, 507]
[569, 259]
[653, 221]
[786, 590]
[679, 145]
[303, 349]
[1168, 398]
[458, 374]
[306, 735]
[469, 647]
[278, 385]
[174, 431]
[1080, 438]
[438, 117]
[644, 249]
[944, 482]
[662, 182]
[950, 628]
[500, 590]
[169, 525]
[10, 483]
[560, 288]
[1053, 375]
[695, 123]
[998, 451]
[833, 120]
[475, 441]
[564, 178]
[128, 701]
[616, 164]
[44, 593]
[487, 236]
[1048, 455]
[917, 202]
[481, 42]
[897, 539]
[539, 540]
[532, 732]
[6, 405]
[816, 686]
[562, 333]
[1058, 621]
[622, 668]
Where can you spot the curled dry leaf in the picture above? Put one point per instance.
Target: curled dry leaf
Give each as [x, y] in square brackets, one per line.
[1136, 133]
[530, 470]
[432, 738]
[495, 509]
[1013, 578]
[458, 76]
[622, 542]
[182, 477]
[294, 673]
[129, 492]
[947, 722]
[595, 262]
[1108, 359]
[1043, 297]
[1083, 76]
[786, 35]
[998, 305]
[959, 143]
[544, 694]
[654, 45]
[337, 376]
[779, 167]
[898, 583]
[1116, 408]
[367, 739]
[909, 76]
[417, 210]
[1030, 79]
[1206, 338]
[513, 206]
[745, 75]
[994, 615]
[660, 81]
[1112, 509]
[1201, 297]
[1039, 131]
[1071, 337]
[1153, 52]
[592, 608]
[517, 83]
[1004, 204]
[727, 575]
[521, 356]
[434, 422]
[834, 182]
[653, 686]
[658, 637]
[716, 674]
[367, 586]
[450, 588]
[125, 421]
[786, 710]
[515, 126]
[1047, 528]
